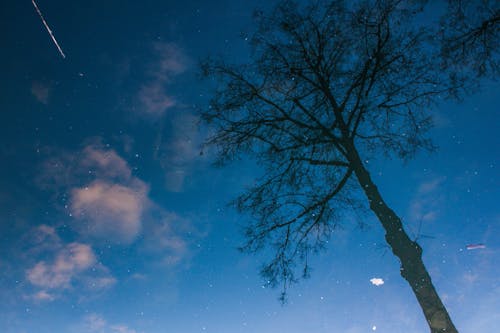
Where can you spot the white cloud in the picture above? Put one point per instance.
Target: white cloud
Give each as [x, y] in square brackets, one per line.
[377, 281]
[64, 266]
[71, 260]
[105, 201]
[106, 162]
[111, 210]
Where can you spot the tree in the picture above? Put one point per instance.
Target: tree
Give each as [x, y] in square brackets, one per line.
[330, 84]
[471, 36]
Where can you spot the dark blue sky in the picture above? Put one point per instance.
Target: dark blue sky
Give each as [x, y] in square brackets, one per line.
[112, 221]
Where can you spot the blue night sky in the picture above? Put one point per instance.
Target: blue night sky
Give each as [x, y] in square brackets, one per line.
[112, 221]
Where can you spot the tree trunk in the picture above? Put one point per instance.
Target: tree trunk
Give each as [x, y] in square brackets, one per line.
[409, 252]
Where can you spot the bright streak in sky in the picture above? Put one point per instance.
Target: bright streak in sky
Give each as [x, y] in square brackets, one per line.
[475, 246]
[48, 29]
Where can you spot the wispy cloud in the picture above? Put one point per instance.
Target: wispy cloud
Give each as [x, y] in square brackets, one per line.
[164, 238]
[153, 98]
[63, 266]
[41, 91]
[105, 162]
[171, 61]
[94, 323]
[425, 205]
[180, 150]
[70, 260]
[430, 186]
[43, 295]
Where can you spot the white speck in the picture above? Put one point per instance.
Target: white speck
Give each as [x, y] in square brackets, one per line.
[374, 328]
[377, 281]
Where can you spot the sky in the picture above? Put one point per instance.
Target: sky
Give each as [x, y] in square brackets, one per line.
[112, 221]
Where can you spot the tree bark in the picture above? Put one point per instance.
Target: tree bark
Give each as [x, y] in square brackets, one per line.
[409, 252]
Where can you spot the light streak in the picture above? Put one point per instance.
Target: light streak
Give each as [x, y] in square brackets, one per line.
[475, 246]
[48, 29]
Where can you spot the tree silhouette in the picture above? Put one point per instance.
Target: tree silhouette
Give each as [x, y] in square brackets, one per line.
[330, 84]
[471, 36]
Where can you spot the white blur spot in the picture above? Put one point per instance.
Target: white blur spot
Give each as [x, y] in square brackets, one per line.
[374, 328]
[377, 281]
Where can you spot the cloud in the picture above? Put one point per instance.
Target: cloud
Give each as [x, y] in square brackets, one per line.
[163, 238]
[425, 205]
[94, 323]
[71, 260]
[154, 99]
[180, 150]
[377, 281]
[105, 162]
[430, 185]
[63, 267]
[110, 210]
[122, 329]
[172, 60]
[106, 202]
[43, 238]
[43, 295]
[41, 91]
[152, 96]
[103, 197]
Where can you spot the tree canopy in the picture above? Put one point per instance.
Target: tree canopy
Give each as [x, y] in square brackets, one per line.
[332, 82]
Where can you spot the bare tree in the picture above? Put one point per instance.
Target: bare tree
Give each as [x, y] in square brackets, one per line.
[330, 84]
[470, 32]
